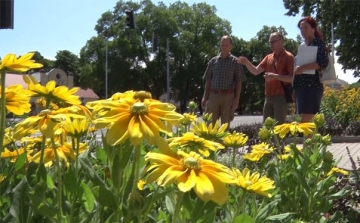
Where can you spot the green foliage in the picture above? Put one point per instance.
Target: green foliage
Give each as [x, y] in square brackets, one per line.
[344, 17]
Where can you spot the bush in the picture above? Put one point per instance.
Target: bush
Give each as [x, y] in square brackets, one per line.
[353, 129]
[332, 127]
[341, 104]
[251, 130]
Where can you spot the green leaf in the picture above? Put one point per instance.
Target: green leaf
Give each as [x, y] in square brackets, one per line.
[89, 217]
[87, 197]
[104, 196]
[101, 155]
[41, 172]
[90, 172]
[19, 201]
[266, 211]
[115, 171]
[279, 217]
[20, 161]
[50, 182]
[70, 181]
[170, 205]
[243, 218]
[42, 207]
[125, 154]
[339, 194]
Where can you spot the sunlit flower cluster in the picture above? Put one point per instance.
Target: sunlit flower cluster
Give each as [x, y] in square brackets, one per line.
[341, 104]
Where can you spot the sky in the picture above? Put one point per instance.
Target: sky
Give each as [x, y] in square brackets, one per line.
[48, 26]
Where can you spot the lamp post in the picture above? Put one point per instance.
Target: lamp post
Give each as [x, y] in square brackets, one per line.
[106, 70]
[167, 72]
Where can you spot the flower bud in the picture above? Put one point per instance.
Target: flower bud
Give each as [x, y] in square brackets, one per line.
[269, 122]
[192, 105]
[328, 157]
[317, 137]
[207, 117]
[326, 140]
[319, 119]
[136, 201]
[264, 134]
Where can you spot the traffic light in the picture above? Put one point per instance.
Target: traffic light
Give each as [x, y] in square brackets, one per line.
[6, 14]
[130, 18]
[154, 43]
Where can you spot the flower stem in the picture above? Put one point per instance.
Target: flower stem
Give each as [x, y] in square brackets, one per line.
[178, 206]
[233, 156]
[136, 166]
[59, 191]
[3, 110]
[241, 205]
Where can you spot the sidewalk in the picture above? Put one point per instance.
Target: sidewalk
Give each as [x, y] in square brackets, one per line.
[340, 153]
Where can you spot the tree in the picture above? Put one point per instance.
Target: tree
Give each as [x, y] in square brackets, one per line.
[345, 18]
[68, 62]
[193, 32]
[47, 64]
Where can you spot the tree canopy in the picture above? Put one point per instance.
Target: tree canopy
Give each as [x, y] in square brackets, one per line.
[345, 18]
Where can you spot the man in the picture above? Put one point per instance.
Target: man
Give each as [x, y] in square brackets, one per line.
[279, 69]
[223, 83]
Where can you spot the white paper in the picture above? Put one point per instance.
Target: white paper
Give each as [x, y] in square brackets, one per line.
[306, 55]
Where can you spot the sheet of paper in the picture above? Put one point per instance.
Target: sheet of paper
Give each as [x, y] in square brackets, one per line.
[305, 55]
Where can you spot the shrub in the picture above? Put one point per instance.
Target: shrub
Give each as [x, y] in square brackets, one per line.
[341, 104]
[251, 130]
[332, 127]
[353, 129]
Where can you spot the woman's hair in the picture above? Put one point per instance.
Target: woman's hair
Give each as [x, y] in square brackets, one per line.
[312, 22]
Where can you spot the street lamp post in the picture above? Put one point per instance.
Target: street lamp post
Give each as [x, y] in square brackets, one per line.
[106, 70]
[167, 71]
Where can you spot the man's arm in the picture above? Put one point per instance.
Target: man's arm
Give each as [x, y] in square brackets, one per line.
[237, 96]
[254, 70]
[206, 92]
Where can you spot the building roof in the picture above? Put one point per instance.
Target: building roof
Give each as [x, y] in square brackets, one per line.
[88, 93]
[12, 79]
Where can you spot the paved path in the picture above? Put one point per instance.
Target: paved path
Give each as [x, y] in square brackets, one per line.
[340, 153]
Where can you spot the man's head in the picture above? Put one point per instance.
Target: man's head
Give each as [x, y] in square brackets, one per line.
[226, 45]
[276, 42]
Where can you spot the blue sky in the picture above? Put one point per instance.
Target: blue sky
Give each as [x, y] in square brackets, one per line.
[48, 26]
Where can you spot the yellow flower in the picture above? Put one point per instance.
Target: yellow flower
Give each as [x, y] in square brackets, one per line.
[209, 132]
[22, 64]
[337, 170]
[9, 136]
[253, 156]
[235, 140]
[135, 119]
[17, 99]
[194, 142]
[190, 171]
[253, 182]
[188, 119]
[294, 128]
[2, 178]
[140, 184]
[48, 122]
[41, 103]
[60, 94]
[14, 154]
[283, 156]
[262, 148]
[77, 127]
[63, 151]
[207, 117]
